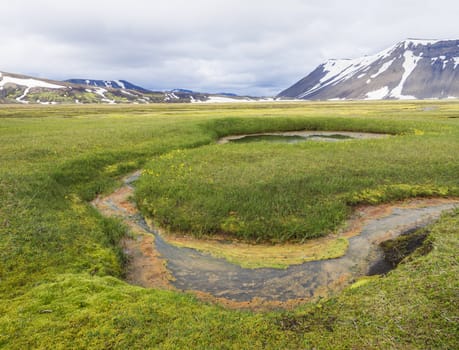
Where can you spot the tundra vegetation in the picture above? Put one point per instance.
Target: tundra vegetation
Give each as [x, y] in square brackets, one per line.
[61, 264]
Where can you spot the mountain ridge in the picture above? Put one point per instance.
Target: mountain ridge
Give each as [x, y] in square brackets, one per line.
[115, 84]
[410, 69]
[18, 88]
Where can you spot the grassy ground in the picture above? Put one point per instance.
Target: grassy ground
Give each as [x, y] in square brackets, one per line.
[61, 266]
[283, 192]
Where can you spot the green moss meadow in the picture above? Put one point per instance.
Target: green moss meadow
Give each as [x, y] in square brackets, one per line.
[62, 267]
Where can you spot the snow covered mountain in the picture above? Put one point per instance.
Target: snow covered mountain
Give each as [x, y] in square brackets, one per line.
[411, 69]
[16, 88]
[110, 84]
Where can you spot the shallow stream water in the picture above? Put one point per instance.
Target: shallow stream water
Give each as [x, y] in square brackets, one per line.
[194, 270]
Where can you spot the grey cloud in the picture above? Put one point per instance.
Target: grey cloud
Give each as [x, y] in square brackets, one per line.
[248, 47]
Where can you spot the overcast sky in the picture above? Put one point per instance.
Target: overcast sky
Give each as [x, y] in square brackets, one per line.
[255, 47]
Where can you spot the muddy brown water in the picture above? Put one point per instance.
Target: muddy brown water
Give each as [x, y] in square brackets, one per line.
[192, 270]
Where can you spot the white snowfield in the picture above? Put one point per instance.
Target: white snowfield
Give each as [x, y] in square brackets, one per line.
[225, 99]
[378, 94]
[120, 84]
[29, 83]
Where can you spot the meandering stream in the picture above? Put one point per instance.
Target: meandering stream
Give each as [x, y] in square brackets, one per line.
[192, 270]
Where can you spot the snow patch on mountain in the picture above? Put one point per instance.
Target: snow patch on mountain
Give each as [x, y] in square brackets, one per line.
[409, 66]
[101, 92]
[415, 42]
[171, 96]
[120, 84]
[29, 83]
[219, 99]
[383, 68]
[378, 94]
[127, 93]
[224, 99]
[21, 98]
[334, 68]
[108, 84]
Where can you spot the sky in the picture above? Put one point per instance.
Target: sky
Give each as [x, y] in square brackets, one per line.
[250, 47]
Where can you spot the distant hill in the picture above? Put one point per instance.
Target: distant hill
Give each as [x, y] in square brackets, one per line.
[411, 69]
[109, 84]
[16, 88]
